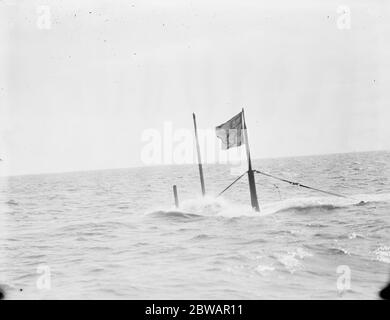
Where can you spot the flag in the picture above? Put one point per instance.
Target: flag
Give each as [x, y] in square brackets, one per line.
[231, 132]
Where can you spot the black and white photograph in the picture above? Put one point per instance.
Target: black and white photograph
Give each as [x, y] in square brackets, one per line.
[194, 150]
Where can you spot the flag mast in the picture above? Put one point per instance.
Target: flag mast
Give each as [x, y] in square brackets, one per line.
[199, 157]
[251, 176]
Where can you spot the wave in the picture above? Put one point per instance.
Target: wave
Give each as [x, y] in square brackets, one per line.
[372, 198]
[311, 207]
[338, 251]
[94, 226]
[202, 208]
[316, 204]
[202, 237]
[176, 215]
[12, 202]
[221, 207]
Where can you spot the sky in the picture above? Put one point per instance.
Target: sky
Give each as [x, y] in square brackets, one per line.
[83, 82]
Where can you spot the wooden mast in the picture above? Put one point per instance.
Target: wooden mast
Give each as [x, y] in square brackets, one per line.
[175, 196]
[199, 157]
[251, 176]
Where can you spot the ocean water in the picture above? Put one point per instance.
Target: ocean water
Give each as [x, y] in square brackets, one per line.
[115, 234]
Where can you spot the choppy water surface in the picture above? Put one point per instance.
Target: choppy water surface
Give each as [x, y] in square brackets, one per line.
[114, 234]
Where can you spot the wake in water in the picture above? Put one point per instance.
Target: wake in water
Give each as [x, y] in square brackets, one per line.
[209, 206]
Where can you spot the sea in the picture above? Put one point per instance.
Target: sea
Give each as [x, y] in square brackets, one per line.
[116, 234]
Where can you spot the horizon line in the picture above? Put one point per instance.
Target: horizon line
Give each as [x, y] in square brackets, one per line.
[186, 164]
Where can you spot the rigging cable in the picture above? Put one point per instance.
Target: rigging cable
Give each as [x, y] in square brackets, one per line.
[232, 183]
[300, 185]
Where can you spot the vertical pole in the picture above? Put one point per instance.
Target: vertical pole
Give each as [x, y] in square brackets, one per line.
[199, 157]
[251, 176]
[176, 197]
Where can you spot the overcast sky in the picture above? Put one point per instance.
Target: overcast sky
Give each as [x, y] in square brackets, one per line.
[79, 95]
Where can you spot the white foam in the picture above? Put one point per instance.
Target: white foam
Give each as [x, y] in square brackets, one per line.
[264, 269]
[383, 254]
[213, 206]
[291, 260]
